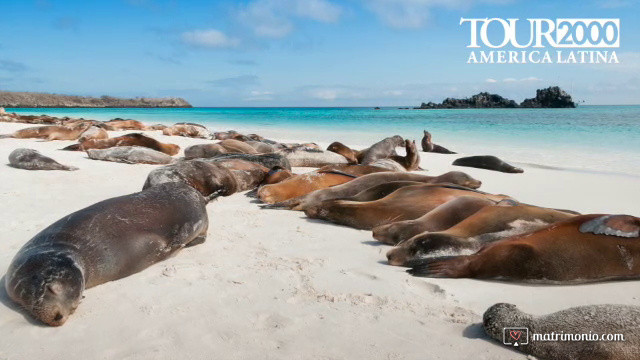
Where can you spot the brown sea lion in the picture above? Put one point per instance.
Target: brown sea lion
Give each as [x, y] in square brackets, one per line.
[577, 333]
[122, 124]
[277, 174]
[237, 147]
[342, 149]
[438, 219]
[383, 149]
[248, 174]
[93, 132]
[302, 184]
[209, 179]
[130, 155]
[157, 127]
[585, 248]
[487, 162]
[429, 146]
[188, 130]
[106, 241]
[52, 132]
[406, 203]
[267, 160]
[504, 219]
[367, 181]
[135, 139]
[357, 170]
[379, 191]
[411, 161]
[29, 159]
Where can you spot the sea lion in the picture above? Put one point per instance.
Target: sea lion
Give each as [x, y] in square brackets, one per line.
[277, 174]
[379, 191]
[103, 242]
[135, 139]
[491, 223]
[223, 135]
[585, 248]
[356, 170]
[438, 219]
[248, 174]
[389, 165]
[429, 146]
[209, 179]
[188, 130]
[261, 147]
[125, 124]
[502, 322]
[487, 162]
[157, 127]
[51, 132]
[366, 181]
[256, 137]
[406, 203]
[130, 155]
[203, 151]
[313, 158]
[267, 160]
[233, 146]
[93, 132]
[383, 149]
[411, 161]
[30, 159]
[342, 149]
[302, 184]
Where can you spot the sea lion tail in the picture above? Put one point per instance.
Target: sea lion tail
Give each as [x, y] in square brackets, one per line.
[73, 147]
[253, 193]
[5, 136]
[429, 267]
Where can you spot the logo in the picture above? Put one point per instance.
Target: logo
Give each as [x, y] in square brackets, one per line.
[527, 40]
[515, 336]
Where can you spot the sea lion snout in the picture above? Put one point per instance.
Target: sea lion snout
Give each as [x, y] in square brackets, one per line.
[398, 256]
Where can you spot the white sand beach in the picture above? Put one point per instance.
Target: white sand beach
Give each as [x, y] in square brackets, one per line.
[272, 284]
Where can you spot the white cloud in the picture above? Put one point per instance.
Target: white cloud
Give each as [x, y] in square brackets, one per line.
[491, 80]
[530, 78]
[275, 18]
[416, 13]
[256, 95]
[210, 38]
[509, 80]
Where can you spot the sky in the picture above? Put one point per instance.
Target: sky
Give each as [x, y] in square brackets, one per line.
[295, 52]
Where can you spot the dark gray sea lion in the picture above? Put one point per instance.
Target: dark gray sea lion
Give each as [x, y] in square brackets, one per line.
[30, 159]
[130, 155]
[487, 162]
[261, 147]
[210, 179]
[248, 174]
[383, 149]
[94, 132]
[355, 186]
[267, 160]
[406, 203]
[571, 334]
[429, 146]
[103, 242]
[203, 151]
[584, 248]
[313, 158]
[505, 219]
[438, 219]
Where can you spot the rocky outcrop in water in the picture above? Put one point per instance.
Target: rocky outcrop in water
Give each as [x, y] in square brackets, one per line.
[10, 99]
[552, 97]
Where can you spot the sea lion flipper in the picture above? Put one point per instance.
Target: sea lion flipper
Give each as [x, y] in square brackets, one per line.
[615, 225]
[441, 267]
[507, 202]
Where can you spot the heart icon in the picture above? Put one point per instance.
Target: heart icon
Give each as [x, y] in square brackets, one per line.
[515, 335]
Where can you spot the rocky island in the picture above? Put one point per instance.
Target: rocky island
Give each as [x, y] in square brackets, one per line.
[9, 99]
[551, 97]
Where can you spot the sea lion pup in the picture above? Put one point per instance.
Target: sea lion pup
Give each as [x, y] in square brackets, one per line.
[103, 242]
[342, 149]
[135, 139]
[357, 170]
[203, 151]
[429, 146]
[487, 162]
[267, 160]
[383, 149]
[491, 223]
[233, 146]
[188, 130]
[585, 248]
[51, 132]
[406, 203]
[593, 321]
[93, 132]
[366, 181]
[209, 179]
[29, 159]
[302, 184]
[130, 155]
[125, 124]
[438, 219]
[313, 158]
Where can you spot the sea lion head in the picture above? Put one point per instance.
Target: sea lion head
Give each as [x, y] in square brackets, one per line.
[501, 316]
[49, 286]
[459, 178]
[397, 140]
[392, 233]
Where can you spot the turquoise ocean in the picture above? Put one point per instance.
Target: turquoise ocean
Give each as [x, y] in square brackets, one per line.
[589, 138]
